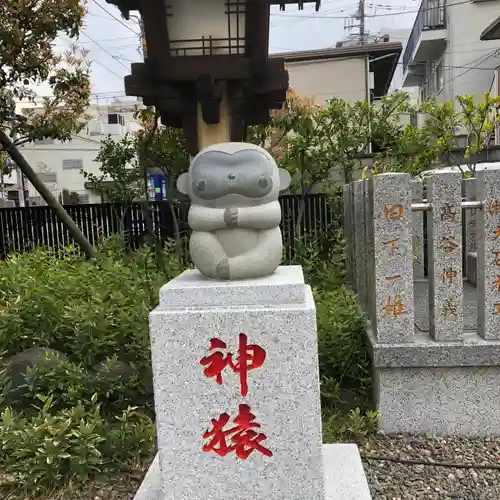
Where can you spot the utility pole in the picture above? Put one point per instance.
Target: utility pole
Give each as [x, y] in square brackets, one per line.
[362, 21]
[360, 27]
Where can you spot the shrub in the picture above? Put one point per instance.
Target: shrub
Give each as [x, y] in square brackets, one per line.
[90, 310]
[54, 447]
[79, 417]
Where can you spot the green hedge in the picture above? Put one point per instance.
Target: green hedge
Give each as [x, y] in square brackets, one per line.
[78, 417]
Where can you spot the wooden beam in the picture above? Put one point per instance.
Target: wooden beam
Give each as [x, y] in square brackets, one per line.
[154, 17]
[190, 68]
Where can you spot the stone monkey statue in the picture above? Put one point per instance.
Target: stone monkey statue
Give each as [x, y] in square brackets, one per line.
[234, 213]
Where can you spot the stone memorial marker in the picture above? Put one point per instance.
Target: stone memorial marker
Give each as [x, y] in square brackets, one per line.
[235, 363]
[488, 254]
[444, 230]
[392, 307]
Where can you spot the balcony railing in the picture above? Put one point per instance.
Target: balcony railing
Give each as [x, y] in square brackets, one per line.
[431, 16]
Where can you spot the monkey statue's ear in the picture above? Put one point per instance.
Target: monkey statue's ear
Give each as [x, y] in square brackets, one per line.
[182, 183]
[285, 179]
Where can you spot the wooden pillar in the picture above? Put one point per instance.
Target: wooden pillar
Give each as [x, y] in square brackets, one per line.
[217, 133]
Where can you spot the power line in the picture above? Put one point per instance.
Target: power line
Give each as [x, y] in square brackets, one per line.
[105, 50]
[116, 18]
[318, 16]
[480, 61]
[116, 39]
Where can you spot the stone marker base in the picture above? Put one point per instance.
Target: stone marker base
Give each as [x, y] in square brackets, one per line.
[443, 388]
[472, 268]
[344, 476]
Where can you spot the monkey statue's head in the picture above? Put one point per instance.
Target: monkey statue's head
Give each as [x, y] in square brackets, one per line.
[233, 174]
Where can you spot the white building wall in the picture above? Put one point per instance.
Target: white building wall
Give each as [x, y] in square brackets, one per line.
[320, 80]
[49, 159]
[465, 22]
[52, 159]
[464, 49]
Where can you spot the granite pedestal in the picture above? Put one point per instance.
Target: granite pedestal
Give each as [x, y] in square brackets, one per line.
[235, 369]
[344, 476]
[442, 388]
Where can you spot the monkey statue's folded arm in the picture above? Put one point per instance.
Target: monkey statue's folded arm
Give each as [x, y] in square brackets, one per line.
[267, 216]
[205, 218]
[258, 260]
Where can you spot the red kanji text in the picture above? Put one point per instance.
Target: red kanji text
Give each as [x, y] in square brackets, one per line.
[250, 357]
[240, 438]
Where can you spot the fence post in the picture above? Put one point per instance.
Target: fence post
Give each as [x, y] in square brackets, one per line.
[365, 250]
[392, 305]
[488, 254]
[418, 231]
[357, 187]
[347, 229]
[470, 221]
[444, 243]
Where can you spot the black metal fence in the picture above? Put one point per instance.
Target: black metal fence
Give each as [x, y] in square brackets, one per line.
[22, 229]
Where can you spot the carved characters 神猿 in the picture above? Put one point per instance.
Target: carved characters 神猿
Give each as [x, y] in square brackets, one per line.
[234, 213]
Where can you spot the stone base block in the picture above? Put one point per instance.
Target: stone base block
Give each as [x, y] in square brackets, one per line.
[472, 268]
[443, 388]
[344, 476]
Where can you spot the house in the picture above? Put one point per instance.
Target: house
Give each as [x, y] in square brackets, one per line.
[352, 72]
[59, 164]
[445, 55]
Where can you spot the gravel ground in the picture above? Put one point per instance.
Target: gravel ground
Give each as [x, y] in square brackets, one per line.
[397, 481]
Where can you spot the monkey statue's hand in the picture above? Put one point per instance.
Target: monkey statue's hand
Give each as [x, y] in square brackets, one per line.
[222, 271]
[231, 217]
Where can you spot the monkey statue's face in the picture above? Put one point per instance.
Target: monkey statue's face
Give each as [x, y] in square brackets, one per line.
[233, 173]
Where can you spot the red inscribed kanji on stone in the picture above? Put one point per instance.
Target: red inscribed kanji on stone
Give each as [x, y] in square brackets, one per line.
[250, 357]
[240, 438]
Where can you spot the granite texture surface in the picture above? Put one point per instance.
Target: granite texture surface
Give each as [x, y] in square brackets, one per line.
[488, 253]
[422, 306]
[418, 231]
[427, 352]
[282, 392]
[392, 311]
[472, 268]
[344, 476]
[151, 487]
[358, 230]
[192, 289]
[470, 223]
[459, 401]
[444, 237]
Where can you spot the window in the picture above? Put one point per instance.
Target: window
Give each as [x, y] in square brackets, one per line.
[72, 164]
[48, 177]
[115, 118]
[83, 199]
[439, 74]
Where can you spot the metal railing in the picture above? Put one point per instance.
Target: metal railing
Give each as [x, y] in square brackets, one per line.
[431, 16]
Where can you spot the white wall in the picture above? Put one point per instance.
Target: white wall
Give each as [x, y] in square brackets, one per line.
[47, 157]
[465, 22]
[321, 80]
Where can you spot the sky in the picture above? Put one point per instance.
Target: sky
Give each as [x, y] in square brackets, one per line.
[114, 43]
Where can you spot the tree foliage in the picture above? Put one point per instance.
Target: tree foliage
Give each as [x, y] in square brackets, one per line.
[153, 146]
[119, 177]
[28, 58]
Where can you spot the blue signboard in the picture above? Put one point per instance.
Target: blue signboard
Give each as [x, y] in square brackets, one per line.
[157, 187]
